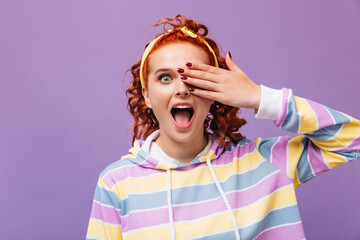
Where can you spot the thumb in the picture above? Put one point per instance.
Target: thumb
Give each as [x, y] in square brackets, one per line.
[231, 64]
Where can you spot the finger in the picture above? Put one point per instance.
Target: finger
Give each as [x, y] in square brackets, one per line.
[205, 94]
[199, 74]
[231, 64]
[204, 67]
[203, 84]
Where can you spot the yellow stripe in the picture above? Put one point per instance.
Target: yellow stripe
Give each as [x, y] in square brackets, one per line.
[308, 122]
[158, 233]
[185, 178]
[295, 149]
[133, 150]
[165, 165]
[222, 221]
[346, 135]
[296, 180]
[103, 184]
[97, 229]
[333, 159]
[244, 217]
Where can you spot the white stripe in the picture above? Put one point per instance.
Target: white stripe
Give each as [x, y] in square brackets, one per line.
[105, 223]
[207, 200]
[204, 201]
[106, 205]
[316, 116]
[324, 159]
[308, 157]
[287, 158]
[271, 150]
[341, 148]
[282, 225]
[201, 166]
[266, 196]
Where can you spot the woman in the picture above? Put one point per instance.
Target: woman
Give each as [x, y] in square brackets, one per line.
[195, 176]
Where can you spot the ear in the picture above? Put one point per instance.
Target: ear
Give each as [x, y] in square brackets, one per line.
[145, 93]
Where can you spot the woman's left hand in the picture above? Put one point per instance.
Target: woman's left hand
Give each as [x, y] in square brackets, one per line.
[231, 87]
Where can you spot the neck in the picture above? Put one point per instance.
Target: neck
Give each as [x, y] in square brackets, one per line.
[183, 152]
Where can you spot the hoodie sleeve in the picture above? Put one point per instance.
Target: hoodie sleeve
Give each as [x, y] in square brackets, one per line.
[105, 222]
[328, 138]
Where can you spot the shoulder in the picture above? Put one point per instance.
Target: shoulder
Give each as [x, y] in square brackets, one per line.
[118, 171]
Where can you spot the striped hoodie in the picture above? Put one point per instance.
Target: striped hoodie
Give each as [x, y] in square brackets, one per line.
[242, 191]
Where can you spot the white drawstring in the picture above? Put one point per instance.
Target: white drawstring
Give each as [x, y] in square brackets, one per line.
[237, 234]
[171, 218]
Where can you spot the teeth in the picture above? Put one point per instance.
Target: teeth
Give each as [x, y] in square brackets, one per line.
[182, 106]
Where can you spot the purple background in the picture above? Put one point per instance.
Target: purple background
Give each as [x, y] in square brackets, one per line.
[63, 108]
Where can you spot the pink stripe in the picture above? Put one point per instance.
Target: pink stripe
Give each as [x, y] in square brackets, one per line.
[292, 232]
[324, 118]
[198, 210]
[317, 160]
[155, 217]
[238, 151]
[143, 219]
[217, 148]
[355, 145]
[122, 173]
[280, 120]
[253, 194]
[279, 154]
[106, 214]
[226, 158]
[236, 199]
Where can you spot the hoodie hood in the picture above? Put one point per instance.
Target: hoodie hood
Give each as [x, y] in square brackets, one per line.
[141, 156]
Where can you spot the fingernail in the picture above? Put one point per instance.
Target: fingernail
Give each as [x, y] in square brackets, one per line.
[183, 77]
[188, 64]
[191, 89]
[180, 70]
[230, 54]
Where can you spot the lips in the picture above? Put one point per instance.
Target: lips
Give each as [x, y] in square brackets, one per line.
[182, 114]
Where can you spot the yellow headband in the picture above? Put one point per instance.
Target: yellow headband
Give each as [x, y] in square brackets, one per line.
[187, 32]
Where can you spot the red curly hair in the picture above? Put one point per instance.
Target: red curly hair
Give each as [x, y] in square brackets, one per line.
[222, 119]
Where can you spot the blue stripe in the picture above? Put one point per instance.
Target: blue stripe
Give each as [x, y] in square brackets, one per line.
[338, 116]
[193, 194]
[324, 133]
[117, 164]
[291, 121]
[349, 155]
[303, 167]
[274, 218]
[266, 145]
[105, 196]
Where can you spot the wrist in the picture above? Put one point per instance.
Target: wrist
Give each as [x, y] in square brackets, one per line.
[270, 105]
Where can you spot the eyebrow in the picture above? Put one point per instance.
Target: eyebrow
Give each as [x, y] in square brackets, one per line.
[163, 70]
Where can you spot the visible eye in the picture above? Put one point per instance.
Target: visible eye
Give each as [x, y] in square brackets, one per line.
[165, 78]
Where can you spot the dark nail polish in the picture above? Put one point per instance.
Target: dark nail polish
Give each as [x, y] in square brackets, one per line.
[188, 64]
[183, 77]
[180, 70]
[230, 55]
[191, 89]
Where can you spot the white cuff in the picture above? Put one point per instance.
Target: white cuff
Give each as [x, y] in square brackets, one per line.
[270, 103]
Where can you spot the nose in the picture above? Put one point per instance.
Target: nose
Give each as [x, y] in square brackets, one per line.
[182, 90]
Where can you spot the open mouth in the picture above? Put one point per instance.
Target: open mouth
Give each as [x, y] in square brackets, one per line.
[182, 114]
